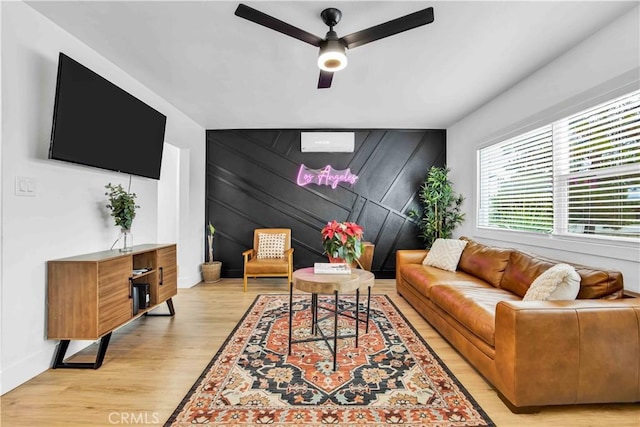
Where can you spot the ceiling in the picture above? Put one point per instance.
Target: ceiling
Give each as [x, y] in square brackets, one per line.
[226, 72]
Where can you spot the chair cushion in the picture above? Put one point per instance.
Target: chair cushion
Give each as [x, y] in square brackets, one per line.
[271, 245]
[445, 254]
[273, 266]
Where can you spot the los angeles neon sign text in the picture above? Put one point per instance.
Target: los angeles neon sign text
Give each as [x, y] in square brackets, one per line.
[325, 176]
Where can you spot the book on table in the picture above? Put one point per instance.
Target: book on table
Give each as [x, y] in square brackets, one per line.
[331, 268]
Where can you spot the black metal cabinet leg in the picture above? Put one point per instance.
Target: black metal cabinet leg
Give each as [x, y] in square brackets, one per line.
[62, 350]
[59, 362]
[172, 311]
[102, 350]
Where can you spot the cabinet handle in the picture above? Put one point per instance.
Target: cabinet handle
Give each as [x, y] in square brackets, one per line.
[130, 287]
[161, 276]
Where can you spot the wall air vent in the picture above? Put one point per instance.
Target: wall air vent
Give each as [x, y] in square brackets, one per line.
[327, 142]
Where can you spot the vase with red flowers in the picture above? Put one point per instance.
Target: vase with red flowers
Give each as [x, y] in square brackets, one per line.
[343, 241]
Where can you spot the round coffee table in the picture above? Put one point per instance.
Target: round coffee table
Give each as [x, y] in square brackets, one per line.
[307, 281]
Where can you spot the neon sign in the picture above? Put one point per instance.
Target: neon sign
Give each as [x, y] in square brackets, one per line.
[325, 176]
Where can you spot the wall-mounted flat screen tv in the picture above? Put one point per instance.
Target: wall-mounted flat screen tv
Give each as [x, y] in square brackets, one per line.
[95, 123]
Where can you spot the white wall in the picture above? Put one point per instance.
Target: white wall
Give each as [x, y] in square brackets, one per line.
[169, 195]
[602, 67]
[189, 138]
[67, 216]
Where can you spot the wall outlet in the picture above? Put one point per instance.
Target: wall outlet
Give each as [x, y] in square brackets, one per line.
[26, 186]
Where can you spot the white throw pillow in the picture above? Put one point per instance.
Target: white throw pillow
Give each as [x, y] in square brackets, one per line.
[445, 254]
[271, 245]
[560, 282]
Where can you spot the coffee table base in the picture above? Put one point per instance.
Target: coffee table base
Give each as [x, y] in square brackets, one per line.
[315, 328]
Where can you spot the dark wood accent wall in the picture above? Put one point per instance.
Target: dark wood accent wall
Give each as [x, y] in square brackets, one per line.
[251, 183]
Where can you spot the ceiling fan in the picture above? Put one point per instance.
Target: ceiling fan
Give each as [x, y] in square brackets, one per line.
[332, 57]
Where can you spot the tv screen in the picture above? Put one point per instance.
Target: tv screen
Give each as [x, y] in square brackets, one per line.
[95, 123]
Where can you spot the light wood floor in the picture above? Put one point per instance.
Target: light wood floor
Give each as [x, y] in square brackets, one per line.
[152, 362]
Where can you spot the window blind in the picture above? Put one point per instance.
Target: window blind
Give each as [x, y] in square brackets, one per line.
[598, 170]
[516, 183]
[577, 176]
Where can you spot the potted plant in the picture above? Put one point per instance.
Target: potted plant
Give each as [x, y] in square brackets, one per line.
[440, 207]
[123, 209]
[211, 269]
[342, 241]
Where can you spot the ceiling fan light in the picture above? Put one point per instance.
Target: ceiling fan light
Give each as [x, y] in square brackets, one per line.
[332, 56]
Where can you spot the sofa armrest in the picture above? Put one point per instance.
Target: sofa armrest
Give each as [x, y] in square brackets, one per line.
[408, 256]
[566, 352]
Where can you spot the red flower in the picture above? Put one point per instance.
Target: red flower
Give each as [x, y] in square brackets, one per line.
[342, 240]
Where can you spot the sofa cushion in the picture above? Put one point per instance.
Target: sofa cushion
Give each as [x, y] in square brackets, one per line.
[523, 269]
[423, 277]
[560, 282]
[445, 254]
[485, 262]
[473, 305]
[596, 283]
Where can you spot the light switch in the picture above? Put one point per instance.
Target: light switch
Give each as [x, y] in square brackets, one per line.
[26, 186]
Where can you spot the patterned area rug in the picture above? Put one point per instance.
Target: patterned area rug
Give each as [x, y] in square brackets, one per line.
[392, 377]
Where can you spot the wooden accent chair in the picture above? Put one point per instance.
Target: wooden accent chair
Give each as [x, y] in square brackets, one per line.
[271, 255]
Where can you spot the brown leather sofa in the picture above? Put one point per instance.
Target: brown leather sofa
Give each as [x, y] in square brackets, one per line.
[535, 353]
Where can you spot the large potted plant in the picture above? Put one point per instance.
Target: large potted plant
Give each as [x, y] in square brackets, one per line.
[440, 207]
[123, 209]
[342, 241]
[211, 269]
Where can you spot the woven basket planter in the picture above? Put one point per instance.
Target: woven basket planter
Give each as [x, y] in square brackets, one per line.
[211, 271]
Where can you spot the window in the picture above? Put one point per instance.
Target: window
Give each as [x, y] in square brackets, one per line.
[577, 176]
[516, 183]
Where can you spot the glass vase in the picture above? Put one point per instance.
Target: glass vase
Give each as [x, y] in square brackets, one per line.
[126, 240]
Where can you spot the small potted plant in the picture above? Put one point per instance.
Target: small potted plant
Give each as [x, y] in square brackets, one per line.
[123, 209]
[342, 241]
[210, 268]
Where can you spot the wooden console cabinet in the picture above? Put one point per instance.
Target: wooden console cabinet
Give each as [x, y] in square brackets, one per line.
[91, 295]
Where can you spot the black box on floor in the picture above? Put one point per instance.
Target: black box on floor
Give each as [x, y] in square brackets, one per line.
[141, 295]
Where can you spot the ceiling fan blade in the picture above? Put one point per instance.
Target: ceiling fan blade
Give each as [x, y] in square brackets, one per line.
[253, 15]
[395, 26]
[324, 82]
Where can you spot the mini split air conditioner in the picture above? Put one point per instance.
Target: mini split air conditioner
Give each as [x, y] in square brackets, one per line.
[327, 142]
